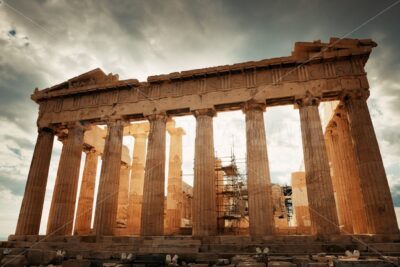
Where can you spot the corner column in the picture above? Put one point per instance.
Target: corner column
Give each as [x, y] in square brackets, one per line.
[152, 217]
[35, 189]
[136, 186]
[350, 169]
[65, 190]
[174, 195]
[204, 217]
[322, 207]
[83, 218]
[107, 196]
[381, 217]
[340, 181]
[261, 218]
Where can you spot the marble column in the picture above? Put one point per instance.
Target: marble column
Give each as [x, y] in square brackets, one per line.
[300, 202]
[261, 218]
[107, 195]
[62, 137]
[136, 185]
[339, 179]
[152, 217]
[122, 213]
[204, 217]
[174, 191]
[349, 162]
[221, 201]
[83, 218]
[35, 189]
[381, 218]
[65, 190]
[322, 207]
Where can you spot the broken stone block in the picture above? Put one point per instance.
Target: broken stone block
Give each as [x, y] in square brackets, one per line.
[76, 263]
[301, 261]
[40, 257]
[281, 264]
[242, 258]
[14, 261]
[222, 262]
[361, 263]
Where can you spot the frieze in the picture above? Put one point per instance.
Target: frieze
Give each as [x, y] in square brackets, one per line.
[268, 80]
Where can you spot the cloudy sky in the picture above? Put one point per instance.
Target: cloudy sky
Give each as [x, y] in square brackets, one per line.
[45, 42]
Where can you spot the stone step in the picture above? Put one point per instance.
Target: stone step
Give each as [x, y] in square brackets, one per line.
[155, 243]
[169, 250]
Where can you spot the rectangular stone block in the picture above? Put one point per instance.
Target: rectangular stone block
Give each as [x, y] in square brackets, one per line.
[317, 264]
[276, 263]
[40, 257]
[362, 263]
[180, 250]
[14, 261]
[76, 263]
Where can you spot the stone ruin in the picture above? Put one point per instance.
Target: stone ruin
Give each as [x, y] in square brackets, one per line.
[347, 205]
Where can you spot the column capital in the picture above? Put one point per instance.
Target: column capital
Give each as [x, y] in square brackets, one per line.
[355, 94]
[143, 135]
[205, 112]
[88, 149]
[158, 117]
[61, 135]
[252, 105]
[46, 130]
[176, 131]
[307, 100]
[117, 122]
[76, 124]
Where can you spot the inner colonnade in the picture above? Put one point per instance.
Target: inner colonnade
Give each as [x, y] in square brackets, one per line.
[347, 188]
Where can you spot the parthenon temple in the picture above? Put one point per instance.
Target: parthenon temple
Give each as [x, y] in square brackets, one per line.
[342, 192]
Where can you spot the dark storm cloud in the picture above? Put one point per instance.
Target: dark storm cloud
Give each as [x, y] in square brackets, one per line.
[16, 85]
[22, 142]
[15, 186]
[15, 150]
[273, 26]
[12, 33]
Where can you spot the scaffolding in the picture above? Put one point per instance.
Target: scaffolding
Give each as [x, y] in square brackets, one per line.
[232, 197]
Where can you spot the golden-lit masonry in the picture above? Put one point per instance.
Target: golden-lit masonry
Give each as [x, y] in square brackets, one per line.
[343, 191]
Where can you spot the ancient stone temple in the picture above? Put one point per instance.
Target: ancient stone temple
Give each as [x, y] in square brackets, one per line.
[343, 191]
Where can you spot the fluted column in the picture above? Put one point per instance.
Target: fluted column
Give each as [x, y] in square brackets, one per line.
[35, 189]
[65, 190]
[62, 137]
[221, 201]
[381, 218]
[323, 215]
[349, 162]
[339, 179]
[204, 217]
[136, 185]
[83, 218]
[152, 217]
[122, 213]
[107, 196]
[174, 191]
[261, 220]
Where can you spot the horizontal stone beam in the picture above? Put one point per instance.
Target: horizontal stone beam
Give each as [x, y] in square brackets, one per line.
[324, 70]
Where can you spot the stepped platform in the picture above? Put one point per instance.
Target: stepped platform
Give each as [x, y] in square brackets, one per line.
[200, 249]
